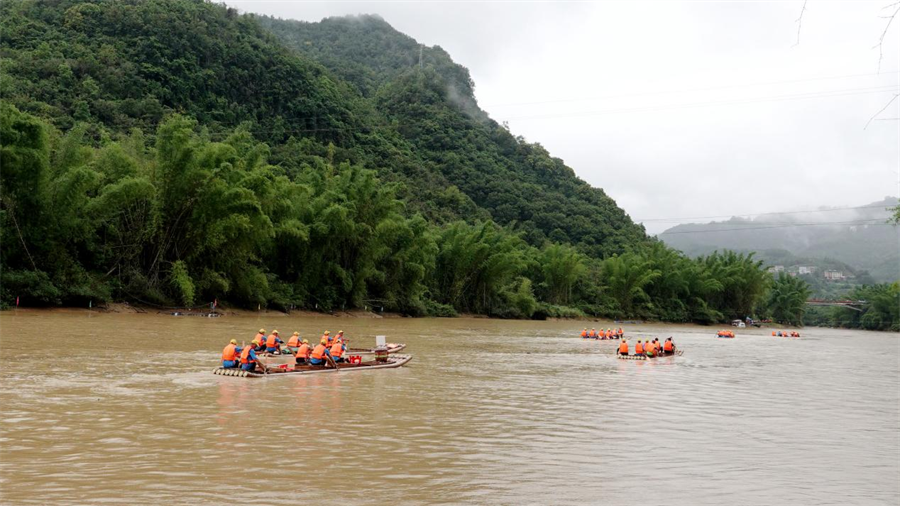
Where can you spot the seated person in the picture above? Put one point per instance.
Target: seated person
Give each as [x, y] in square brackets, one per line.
[249, 359]
[320, 353]
[273, 342]
[302, 355]
[337, 350]
[231, 355]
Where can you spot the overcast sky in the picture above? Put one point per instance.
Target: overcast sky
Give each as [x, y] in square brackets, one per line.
[679, 109]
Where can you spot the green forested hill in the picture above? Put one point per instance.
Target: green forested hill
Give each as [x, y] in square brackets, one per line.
[435, 110]
[174, 152]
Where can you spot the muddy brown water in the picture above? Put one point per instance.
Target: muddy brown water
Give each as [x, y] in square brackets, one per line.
[124, 409]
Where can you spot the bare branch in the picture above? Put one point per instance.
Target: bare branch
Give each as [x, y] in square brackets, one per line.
[891, 101]
[890, 19]
[799, 22]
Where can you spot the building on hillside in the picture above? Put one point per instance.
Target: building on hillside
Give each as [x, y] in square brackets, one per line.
[834, 275]
[776, 269]
[806, 269]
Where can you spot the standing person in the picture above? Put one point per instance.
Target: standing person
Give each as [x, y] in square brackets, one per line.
[302, 355]
[623, 348]
[273, 342]
[231, 355]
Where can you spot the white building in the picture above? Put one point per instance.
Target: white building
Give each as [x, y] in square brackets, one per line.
[806, 269]
[834, 275]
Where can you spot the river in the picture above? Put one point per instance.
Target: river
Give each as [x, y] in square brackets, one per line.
[123, 409]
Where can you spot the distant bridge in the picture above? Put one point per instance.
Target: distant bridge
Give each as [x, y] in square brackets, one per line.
[855, 305]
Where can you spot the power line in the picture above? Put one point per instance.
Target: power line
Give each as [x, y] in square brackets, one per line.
[870, 223]
[689, 90]
[764, 214]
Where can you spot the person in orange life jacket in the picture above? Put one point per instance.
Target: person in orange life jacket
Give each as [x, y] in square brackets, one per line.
[669, 346]
[302, 355]
[593, 334]
[621, 332]
[337, 350]
[273, 342]
[650, 349]
[327, 337]
[260, 336]
[294, 343]
[249, 359]
[340, 335]
[319, 353]
[584, 333]
[258, 345]
[231, 355]
[639, 348]
[623, 348]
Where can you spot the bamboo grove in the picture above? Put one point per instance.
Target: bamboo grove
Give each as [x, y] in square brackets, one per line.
[186, 220]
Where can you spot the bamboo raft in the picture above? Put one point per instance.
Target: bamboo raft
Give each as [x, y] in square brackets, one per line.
[392, 362]
[677, 353]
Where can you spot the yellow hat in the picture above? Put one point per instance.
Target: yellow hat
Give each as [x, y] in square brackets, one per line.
[262, 331]
[255, 341]
[323, 341]
[306, 341]
[340, 332]
[326, 332]
[296, 333]
[275, 332]
[234, 341]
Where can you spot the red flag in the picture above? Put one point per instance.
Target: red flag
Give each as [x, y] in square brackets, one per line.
[216, 303]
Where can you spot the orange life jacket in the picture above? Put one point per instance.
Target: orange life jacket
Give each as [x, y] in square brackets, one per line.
[245, 355]
[337, 349]
[318, 352]
[294, 341]
[271, 341]
[303, 351]
[638, 348]
[260, 337]
[229, 353]
[584, 333]
[667, 346]
[623, 348]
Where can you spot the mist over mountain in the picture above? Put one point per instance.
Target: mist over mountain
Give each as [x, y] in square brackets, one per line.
[858, 237]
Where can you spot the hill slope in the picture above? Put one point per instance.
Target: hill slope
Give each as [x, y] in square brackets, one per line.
[837, 235]
[434, 109]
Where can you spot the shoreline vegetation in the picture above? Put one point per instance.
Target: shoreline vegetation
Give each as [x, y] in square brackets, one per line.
[176, 152]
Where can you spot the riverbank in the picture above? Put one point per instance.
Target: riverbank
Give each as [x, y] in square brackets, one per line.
[126, 308]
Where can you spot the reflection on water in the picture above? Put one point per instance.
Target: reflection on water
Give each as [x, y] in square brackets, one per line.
[124, 409]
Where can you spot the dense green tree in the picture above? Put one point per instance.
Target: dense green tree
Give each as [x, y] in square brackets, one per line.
[787, 299]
